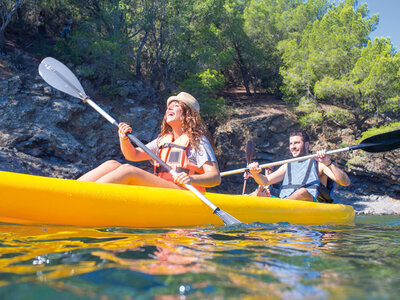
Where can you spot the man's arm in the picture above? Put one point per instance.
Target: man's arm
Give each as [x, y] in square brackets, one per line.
[331, 170]
[269, 179]
[336, 174]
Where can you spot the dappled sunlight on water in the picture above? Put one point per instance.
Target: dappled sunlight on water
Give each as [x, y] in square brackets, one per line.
[256, 260]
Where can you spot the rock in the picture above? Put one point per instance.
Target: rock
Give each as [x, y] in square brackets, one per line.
[44, 134]
[4, 86]
[41, 100]
[11, 86]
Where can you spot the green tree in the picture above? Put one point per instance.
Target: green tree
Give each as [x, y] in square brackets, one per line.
[267, 22]
[371, 90]
[318, 66]
[205, 86]
[377, 79]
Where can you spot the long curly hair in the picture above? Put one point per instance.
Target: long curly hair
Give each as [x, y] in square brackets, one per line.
[192, 125]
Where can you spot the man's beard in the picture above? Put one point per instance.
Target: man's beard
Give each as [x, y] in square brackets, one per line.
[302, 152]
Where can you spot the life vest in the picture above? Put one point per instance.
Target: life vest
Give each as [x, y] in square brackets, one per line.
[301, 174]
[325, 193]
[175, 155]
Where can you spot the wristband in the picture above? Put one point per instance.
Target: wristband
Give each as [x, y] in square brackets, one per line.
[329, 164]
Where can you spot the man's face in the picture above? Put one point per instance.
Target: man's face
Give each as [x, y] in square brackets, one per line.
[297, 146]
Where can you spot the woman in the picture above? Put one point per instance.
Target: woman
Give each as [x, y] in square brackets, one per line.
[181, 144]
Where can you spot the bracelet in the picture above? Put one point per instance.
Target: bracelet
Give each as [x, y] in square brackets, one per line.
[329, 164]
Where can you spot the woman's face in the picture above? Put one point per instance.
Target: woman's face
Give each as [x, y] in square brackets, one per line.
[174, 114]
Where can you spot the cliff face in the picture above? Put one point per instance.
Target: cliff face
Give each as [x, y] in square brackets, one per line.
[44, 132]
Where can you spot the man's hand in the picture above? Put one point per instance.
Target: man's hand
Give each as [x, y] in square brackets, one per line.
[246, 175]
[323, 158]
[254, 168]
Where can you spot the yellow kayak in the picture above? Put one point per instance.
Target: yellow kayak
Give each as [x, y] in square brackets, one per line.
[29, 199]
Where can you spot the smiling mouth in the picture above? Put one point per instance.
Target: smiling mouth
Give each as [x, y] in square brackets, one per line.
[295, 151]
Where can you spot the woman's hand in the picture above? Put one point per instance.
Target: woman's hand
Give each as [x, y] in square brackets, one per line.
[123, 129]
[182, 178]
[254, 168]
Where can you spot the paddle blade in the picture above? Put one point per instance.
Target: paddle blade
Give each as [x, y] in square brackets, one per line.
[381, 142]
[60, 77]
[250, 151]
[226, 218]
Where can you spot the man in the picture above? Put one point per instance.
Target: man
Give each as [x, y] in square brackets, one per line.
[310, 179]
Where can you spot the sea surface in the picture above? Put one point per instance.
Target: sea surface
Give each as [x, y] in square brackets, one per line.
[252, 261]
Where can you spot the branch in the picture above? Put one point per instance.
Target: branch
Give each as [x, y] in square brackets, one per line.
[9, 15]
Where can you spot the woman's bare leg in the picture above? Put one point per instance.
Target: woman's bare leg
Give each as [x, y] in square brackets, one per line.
[128, 174]
[100, 171]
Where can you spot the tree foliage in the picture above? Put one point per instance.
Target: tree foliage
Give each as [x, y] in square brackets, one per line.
[334, 63]
[315, 54]
[205, 86]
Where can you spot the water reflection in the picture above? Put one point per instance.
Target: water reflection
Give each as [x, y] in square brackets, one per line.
[279, 260]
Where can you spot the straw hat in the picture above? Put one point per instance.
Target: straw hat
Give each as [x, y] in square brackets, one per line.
[186, 98]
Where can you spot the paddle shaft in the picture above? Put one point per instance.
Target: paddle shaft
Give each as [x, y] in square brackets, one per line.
[277, 163]
[250, 149]
[151, 154]
[244, 186]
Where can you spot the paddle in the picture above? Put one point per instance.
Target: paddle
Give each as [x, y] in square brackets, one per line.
[250, 151]
[377, 143]
[60, 77]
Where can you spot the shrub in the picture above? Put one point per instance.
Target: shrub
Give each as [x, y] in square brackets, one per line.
[308, 120]
[338, 115]
[378, 130]
[204, 86]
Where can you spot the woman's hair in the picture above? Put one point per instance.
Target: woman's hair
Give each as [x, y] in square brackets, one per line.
[192, 125]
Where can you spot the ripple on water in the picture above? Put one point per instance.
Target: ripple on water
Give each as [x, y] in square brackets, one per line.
[282, 261]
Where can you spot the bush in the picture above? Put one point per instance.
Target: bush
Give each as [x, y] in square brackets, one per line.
[338, 115]
[204, 86]
[378, 130]
[212, 80]
[101, 59]
[109, 90]
[314, 118]
[307, 106]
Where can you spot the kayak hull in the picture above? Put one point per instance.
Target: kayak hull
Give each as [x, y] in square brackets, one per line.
[29, 199]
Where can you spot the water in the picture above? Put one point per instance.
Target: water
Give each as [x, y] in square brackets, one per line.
[256, 261]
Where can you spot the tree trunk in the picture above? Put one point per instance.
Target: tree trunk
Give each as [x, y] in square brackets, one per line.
[6, 17]
[255, 85]
[140, 49]
[243, 69]
[2, 42]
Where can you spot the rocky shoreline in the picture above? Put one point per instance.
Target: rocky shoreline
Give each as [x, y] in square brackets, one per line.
[44, 132]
